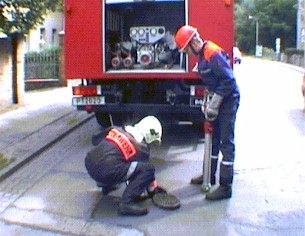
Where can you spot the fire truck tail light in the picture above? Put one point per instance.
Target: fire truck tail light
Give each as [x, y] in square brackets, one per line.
[86, 90]
[197, 91]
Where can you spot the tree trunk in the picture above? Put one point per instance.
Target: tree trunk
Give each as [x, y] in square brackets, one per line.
[17, 68]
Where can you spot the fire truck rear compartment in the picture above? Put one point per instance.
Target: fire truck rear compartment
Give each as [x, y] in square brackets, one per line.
[139, 36]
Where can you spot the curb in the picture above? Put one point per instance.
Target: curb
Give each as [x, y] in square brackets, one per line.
[33, 145]
[299, 69]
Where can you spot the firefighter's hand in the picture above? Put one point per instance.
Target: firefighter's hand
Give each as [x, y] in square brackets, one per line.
[206, 99]
[211, 113]
[212, 108]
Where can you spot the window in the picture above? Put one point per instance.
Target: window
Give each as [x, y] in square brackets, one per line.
[54, 39]
[42, 38]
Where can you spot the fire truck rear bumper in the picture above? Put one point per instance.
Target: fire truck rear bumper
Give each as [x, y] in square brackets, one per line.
[177, 114]
[141, 108]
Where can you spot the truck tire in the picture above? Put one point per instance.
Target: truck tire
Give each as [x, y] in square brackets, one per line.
[103, 119]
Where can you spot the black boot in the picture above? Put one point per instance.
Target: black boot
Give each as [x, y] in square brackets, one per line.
[222, 192]
[199, 180]
[142, 197]
[158, 189]
[132, 209]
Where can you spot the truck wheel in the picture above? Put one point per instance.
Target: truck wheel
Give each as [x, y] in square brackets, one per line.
[103, 119]
[117, 119]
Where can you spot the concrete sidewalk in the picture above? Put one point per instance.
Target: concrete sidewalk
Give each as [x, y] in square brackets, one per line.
[26, 130]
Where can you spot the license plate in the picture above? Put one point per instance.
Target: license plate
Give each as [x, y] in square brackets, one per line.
[82, 101]
[196, 102]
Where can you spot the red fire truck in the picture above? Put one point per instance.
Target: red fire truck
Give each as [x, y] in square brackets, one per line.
[124, 55]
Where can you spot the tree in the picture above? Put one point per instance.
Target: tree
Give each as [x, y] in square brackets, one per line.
[18, 17]
[277, 19]
[23, 15]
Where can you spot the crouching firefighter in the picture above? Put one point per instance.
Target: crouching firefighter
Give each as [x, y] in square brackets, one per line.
[122, 155]
[217, 76]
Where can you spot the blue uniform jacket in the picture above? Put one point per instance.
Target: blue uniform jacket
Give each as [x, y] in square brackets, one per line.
[216, 72]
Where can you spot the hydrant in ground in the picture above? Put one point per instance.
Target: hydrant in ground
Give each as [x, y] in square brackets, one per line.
[208, 131]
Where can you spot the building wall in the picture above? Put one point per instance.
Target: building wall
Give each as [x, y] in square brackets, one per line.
[45, 35]
[5, 73]
[7, 90]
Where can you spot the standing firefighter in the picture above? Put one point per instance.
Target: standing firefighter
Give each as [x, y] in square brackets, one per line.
[217, 76]
[122, 155]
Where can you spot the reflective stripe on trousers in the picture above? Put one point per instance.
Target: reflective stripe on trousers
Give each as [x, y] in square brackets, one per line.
[131, 170]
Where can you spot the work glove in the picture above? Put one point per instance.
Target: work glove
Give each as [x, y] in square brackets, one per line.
[212, 108]
[207, 97]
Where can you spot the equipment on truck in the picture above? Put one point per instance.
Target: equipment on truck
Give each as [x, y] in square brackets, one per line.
[153, 47]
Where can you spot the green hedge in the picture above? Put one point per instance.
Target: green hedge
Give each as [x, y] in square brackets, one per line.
[45, 56]
[293, 51]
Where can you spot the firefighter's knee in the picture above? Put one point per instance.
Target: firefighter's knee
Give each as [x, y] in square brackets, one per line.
[148, 167]
[145, 169]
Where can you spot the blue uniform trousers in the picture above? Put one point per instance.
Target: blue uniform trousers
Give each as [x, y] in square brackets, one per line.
[223, 139]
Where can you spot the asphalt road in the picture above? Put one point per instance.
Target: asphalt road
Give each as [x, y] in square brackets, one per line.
[53, 194]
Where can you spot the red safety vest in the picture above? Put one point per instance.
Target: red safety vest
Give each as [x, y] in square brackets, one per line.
[122, 142]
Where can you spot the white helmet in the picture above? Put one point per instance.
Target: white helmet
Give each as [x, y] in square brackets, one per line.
[149, 129]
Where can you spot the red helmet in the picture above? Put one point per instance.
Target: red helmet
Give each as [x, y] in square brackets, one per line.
[184, 35]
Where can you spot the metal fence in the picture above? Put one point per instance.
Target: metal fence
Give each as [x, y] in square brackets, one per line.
[42, 66]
